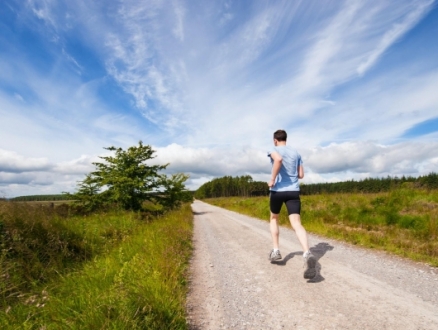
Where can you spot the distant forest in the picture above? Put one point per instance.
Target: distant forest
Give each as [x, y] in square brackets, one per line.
[41, 198]
[245, 186]
[232, 186]
[228, 186]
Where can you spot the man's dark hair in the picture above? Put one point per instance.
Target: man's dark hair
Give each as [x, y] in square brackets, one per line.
[280, 135]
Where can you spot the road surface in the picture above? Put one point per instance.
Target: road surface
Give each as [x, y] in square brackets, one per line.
[234, 286]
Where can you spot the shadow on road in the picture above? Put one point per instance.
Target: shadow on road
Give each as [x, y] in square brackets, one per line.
[199, 213]
[319, 250]
[283, 261]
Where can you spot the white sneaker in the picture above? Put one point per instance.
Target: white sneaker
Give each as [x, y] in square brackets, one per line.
[274, 255]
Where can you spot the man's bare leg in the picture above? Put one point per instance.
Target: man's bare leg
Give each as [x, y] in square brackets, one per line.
[309, 258]
[275, 231]
[295, 221]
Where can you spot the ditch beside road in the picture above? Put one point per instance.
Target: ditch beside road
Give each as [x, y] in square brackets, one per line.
[234, 286]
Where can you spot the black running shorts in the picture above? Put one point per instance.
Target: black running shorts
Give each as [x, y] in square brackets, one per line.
[290, 198]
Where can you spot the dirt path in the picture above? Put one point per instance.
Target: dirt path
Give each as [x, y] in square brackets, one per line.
[234, 286]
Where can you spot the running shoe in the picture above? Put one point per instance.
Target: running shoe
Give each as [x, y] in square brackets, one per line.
[310, 265]
[274, 255]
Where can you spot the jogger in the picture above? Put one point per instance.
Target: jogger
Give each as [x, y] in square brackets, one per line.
[287, 168]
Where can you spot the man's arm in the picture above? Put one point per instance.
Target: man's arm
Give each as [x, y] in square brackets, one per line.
[276, 157]
[300, 171]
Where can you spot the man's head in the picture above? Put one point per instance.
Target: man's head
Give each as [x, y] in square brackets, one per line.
[280, 135]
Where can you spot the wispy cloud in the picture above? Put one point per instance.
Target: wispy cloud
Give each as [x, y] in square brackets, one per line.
[43, 10]
[137, 59]
[419, 9]
[208, 82]
[233, 72]
[179, 20]
[59, 117]
[18, 97]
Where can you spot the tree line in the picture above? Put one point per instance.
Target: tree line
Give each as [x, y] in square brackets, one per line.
[232, 186]
[41, 198]
[245, 186]
[371, 185]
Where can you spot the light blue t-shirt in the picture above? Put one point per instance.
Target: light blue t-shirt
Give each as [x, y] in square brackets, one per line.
[287, 178]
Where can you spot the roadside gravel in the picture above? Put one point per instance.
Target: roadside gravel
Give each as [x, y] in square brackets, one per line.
[234, 286]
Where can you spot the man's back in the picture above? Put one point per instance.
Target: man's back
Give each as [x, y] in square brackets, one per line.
[287, 178]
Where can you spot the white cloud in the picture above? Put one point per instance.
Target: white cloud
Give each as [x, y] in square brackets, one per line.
[373, 159]
[335, 162]
[80, 166]
[21, 175]
[12, 162]
[212, 161]
[215, 82]
[17, 179]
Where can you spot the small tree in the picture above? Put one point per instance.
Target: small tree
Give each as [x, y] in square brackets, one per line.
[126, 180]
[88, 194]
[174, 191]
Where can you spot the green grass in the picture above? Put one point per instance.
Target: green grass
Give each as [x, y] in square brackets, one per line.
[403, 221]
[130, 272]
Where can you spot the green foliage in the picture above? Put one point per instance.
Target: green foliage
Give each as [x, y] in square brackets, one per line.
[232, 186]
[134, 275]
[41, 198]
[429, 181]
[228, 186]
[127, 181]
[371, 185]
[88, 194]
[175, 192]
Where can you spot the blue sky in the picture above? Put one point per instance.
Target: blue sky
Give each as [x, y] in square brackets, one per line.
[206, 83]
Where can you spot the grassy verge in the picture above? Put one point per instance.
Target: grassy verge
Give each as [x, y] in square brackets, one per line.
[403, 221]
[132, 275]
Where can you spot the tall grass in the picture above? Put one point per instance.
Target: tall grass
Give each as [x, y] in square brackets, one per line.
[403, 221]
[119, 271]
[39, 243]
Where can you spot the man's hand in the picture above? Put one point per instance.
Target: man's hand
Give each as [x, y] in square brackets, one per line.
[276, 157]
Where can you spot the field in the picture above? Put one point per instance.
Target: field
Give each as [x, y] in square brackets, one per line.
[120, 269]
[403, 221]
[113, 270]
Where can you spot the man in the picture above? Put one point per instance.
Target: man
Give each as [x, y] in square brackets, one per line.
[287, 168]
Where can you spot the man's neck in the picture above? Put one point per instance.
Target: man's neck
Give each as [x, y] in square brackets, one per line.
[281, 143]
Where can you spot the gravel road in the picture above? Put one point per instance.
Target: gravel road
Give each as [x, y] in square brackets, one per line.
[234, 286]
